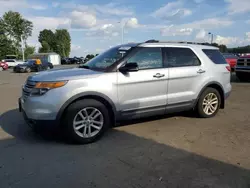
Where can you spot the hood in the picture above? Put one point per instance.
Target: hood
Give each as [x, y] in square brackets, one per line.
[21, 65]
[63, 74]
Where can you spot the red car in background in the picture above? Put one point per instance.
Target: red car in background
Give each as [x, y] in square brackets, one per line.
[3, 66]
[231, 60]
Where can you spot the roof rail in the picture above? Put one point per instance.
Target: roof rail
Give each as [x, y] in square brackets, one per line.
[151, 41]
[181, 42]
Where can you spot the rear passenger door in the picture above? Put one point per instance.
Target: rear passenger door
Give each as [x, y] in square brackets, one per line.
[185, 71]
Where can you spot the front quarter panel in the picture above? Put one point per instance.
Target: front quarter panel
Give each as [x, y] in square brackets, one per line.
[102, 86]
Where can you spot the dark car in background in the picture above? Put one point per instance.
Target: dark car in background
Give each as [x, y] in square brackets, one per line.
[74, 60]
[242, 68]
[231, 60]
[33, 66]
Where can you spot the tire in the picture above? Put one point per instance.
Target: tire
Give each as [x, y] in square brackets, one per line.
[72, 115]
[48, 68]
[207, 93]
[28, 70]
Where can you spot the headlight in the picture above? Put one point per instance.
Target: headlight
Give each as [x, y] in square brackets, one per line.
[50, 85]
[43, 87]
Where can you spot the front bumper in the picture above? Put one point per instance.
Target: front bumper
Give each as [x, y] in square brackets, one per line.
[34, 123]
[19, 70]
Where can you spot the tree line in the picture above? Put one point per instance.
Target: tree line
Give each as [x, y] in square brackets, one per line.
[13, 29]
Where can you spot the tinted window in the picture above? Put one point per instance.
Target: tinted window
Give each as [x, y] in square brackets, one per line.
[147, 58]
[7, 60]
[181, 57]
[107, 58]
[215, 56]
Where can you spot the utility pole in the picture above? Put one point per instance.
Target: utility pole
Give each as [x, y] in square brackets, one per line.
[122, 31]
[212, 37]
[22, 46]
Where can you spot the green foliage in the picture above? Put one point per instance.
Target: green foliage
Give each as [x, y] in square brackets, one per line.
[59, 42]
[45, 47]
[29, 50]
[6, 47]
[15, 26]
[47, 37]
[12, 27]
[243, 49]
[63, 42]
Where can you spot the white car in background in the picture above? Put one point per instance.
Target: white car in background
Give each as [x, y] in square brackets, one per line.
[12, 62]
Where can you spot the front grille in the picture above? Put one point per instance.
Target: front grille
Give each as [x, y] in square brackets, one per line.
[28, 86]
[243, 62]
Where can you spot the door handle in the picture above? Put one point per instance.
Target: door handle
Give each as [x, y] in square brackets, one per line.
[158, 75]
[200, 71]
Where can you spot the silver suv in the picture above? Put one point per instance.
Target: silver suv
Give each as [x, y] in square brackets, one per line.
[125, 82]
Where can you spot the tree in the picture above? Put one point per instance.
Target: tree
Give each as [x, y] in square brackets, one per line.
[45, 48]
[63, 42]
[223, 48]
[6, 47]
[48, 37]
[59, 42]
[15, 26]
[29, 50]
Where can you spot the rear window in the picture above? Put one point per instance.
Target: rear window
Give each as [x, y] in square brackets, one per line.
[215, 56]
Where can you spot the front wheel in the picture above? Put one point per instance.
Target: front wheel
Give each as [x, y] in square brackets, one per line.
[86, 121]
[209, 103]
[28, 70]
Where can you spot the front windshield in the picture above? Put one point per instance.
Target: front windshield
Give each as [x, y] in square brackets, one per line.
[108, 58]
[30, 62]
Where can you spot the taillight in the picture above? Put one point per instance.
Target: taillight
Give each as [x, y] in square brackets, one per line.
[228, 68]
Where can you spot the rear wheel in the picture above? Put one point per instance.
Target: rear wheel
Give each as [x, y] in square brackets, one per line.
[86, 121]
[209, 103]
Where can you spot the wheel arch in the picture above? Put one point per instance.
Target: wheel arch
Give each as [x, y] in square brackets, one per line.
[218, 87]
[89, 95]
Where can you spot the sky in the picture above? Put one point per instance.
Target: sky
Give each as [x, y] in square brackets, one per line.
[96, 25]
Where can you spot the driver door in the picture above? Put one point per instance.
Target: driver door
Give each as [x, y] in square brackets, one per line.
[144, 92]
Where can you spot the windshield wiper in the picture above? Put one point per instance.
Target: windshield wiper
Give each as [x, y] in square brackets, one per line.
[84, 66]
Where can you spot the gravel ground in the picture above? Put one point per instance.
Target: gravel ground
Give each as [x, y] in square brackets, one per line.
[177, 150]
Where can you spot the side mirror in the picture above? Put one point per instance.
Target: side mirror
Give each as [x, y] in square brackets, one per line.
[129, 67]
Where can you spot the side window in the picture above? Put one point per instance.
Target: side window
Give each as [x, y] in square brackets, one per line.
[215, 56]
[181, 57]
[12, 61]
[148, 58]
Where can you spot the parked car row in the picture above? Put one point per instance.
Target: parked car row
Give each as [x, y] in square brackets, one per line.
[74, 60]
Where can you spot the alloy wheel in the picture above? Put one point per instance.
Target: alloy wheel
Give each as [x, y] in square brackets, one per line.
[210, 104]
[88, 122]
